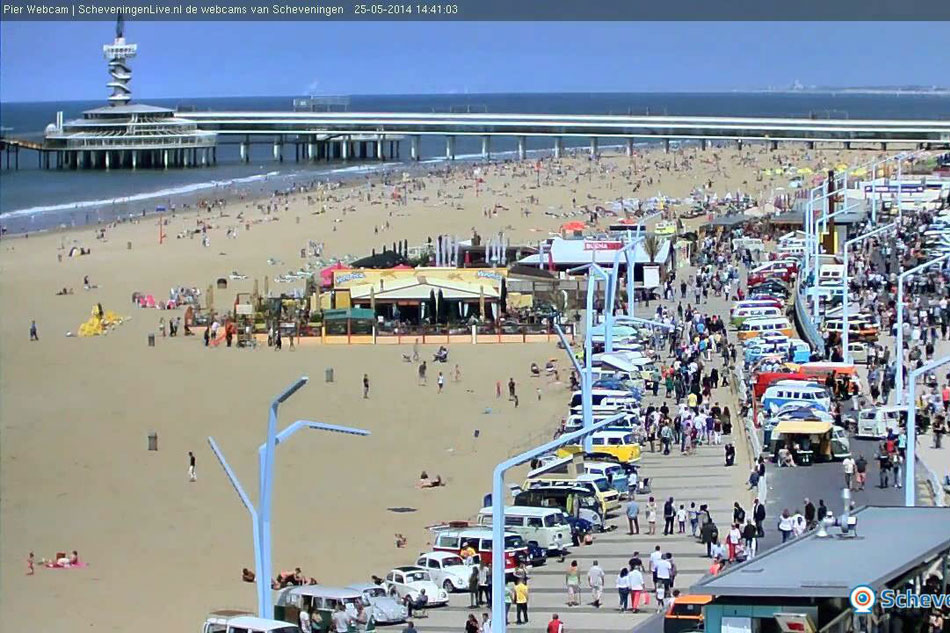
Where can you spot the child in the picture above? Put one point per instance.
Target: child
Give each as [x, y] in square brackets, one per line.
[681, 518]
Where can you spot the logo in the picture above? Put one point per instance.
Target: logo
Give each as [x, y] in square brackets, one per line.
[602, 246]
[862, 599]
[487, 274]
[342, 279]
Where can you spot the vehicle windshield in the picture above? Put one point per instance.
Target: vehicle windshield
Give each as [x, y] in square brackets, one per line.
[602, 484]
[374, 592]
[450, 561]
[417, 576]
[514, 542]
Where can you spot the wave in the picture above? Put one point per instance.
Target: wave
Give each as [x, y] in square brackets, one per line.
[159, 193]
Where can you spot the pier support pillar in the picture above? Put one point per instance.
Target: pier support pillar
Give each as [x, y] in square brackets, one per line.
[135, 156]
[108, 162]
[278, 151]
[522, 151]
[184, 158]
[739, 144]
[486, 147]
[345, 149]
[380, 153]
[704, 144]
[666, 145]
[414, 148]
[204, 157]
[847, 144]
[244, 153]
[310, 150]
[593, 146]
[450, 147]
[558, 146]
[165, 159]
[773, 145]
[810, 145]
[630, 147]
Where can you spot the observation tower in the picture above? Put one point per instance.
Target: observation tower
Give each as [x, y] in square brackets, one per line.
[123, 134]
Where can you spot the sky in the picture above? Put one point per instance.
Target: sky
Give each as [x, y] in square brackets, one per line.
[57, 61]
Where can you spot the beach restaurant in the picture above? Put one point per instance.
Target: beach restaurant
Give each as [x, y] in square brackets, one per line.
[436, 295]
[562, 254]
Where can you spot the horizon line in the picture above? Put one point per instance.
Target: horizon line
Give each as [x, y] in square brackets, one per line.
[917, 91]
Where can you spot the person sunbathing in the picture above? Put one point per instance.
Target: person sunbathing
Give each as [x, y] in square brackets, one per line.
[401, 541]
[425, 482]
[247, 575]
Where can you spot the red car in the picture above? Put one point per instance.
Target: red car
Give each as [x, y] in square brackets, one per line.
[772, 272]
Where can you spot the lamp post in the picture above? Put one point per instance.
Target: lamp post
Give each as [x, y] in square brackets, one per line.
[845, 286]
[910, 462]
[498, 513]
[817, 262]
[261, 516]
[899, 360]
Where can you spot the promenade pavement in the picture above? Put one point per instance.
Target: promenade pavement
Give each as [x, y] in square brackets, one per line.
[702, 478]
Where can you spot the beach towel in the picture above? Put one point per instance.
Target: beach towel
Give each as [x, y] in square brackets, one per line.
[78, 565]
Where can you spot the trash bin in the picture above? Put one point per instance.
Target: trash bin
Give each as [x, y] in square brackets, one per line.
[153, 441]
[151, 340]
[329, 374]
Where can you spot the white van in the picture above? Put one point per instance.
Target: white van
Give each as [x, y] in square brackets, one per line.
[740, 315]
[606, 401]
[831, 272]
[545, 526]
[751, 328]
[875, 422]
[751, 243]
[808, 394]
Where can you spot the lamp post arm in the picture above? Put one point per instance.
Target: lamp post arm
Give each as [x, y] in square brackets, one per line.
[261, 577]
[567, 348]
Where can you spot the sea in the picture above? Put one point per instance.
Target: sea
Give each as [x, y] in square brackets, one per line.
[33, 199]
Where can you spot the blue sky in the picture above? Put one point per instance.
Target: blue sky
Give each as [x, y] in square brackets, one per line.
[52, 61]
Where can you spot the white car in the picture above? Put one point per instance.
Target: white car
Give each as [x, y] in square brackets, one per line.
[447, 570]
[383, 607]
[412, 581]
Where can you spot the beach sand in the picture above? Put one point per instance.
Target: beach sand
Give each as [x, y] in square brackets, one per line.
[162, 551]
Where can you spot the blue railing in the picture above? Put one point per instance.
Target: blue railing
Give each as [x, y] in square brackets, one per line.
[806, 327]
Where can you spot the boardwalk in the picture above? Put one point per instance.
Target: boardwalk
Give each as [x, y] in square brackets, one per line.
[701, 477]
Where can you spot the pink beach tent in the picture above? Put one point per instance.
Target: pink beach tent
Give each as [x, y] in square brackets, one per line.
[326, 275]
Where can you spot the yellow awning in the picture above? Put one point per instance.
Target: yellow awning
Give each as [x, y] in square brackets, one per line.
[802, 427]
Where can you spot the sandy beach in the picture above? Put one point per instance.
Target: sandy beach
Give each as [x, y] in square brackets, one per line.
[162, 551]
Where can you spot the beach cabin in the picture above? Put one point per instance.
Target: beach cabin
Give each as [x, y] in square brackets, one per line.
[806, 394]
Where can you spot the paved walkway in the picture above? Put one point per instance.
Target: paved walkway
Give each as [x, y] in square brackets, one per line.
[701, 477]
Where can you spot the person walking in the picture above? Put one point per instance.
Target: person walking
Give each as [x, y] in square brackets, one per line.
[484, 583]
[848, 466]
[33, 335]
[192, 472]
[572, 578]
[785, 525]
[471, 624]
[758, 515]
[595, 578]
[636, 588]
[509, 599]
[651, 516]
[365, 386]
[521, 602]
[623, 588]
[555, 625]
[440, 381]
[749, 534]
[473, 579]
[860, 472]
[422, 373]
[669, 516]
[884, 464]
[633, 512]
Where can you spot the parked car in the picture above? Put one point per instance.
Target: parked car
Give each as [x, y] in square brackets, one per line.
[382, 607]
[411, 581]
[447, 569]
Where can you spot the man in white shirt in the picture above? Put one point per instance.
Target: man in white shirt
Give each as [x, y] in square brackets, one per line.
[848, 466]
[341, 619]
[595, 578]
[655, 557]
[662, 569]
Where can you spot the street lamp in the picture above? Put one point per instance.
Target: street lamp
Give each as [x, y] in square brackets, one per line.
[498, 512]
[910, 463]
[899, 360]
[261, 516]
[845, 288]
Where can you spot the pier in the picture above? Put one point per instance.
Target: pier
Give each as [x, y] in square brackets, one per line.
[123, 135]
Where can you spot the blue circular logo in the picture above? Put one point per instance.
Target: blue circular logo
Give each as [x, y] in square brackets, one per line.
[862, 599]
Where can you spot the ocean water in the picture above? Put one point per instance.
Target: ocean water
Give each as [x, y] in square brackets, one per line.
[34, 199]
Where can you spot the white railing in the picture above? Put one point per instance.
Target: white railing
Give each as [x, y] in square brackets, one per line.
[932, 480]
